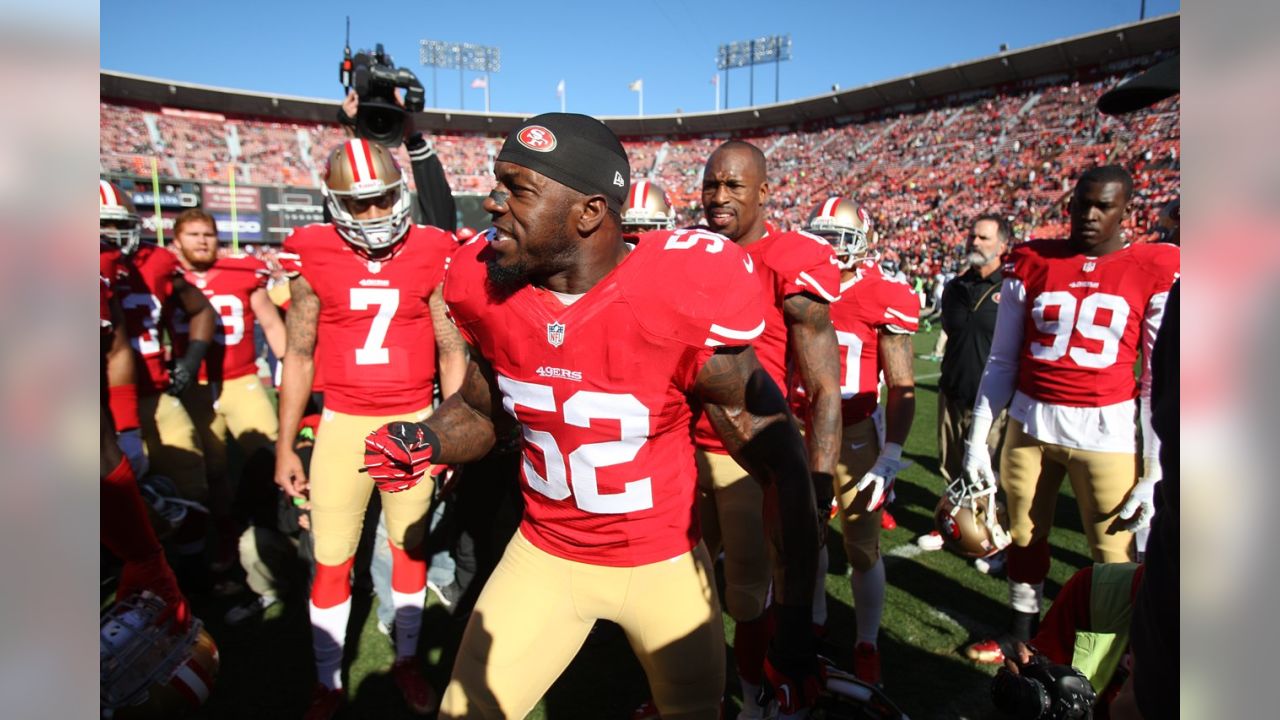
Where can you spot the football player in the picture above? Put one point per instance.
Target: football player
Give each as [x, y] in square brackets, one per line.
[647, 209]
[874, 320]
[366, 289]
[1073, 314]
[578, 336]
[151, 287]
[229, 396]
[799, 276]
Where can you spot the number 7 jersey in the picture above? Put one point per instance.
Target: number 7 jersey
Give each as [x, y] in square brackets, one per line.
[376, 345]
[602, 388]
[1085, 318]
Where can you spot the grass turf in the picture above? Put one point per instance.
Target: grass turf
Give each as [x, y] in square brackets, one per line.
[936, 604]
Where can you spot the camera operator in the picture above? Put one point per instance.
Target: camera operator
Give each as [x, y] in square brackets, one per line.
[1082, 645]
[435, 199]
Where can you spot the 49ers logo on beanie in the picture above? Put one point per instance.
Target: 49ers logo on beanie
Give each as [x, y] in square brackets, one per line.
[537, 138]
[574, 150]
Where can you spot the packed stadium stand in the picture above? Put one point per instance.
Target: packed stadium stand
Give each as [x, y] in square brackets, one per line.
[922, 168]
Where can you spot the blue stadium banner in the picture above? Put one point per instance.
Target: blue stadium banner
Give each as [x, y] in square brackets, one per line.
[173, 195]
[250, 225]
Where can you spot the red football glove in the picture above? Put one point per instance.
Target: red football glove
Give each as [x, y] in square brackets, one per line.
[155, 575]
[398, 454]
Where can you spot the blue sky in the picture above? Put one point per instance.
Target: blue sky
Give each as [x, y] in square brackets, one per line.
[294, 48]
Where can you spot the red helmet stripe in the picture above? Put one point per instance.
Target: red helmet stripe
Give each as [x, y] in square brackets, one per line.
[638, 193]
[107, 193]
[351, 160]
[368, 160]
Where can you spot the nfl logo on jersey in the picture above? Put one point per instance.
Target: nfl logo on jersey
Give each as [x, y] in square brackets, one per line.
[555, 334]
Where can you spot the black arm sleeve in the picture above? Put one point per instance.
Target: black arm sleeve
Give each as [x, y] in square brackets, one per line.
[435, 199]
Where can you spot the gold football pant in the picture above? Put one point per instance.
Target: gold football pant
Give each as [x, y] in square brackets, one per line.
[859, 449]
[537, 609]
[173, 445]
[731, 509]
[242, 408]
[1031, 472]
[340, 492]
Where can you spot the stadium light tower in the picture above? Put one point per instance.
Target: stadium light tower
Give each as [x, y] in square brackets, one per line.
[749, 53]
[463, 56]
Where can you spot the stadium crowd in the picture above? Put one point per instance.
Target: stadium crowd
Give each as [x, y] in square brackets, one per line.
[913, 188]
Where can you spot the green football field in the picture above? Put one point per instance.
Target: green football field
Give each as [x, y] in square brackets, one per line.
[937, 603]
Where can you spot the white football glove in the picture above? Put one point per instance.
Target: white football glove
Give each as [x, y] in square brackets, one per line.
[1137, 511]
[881, 476]
[978, 473]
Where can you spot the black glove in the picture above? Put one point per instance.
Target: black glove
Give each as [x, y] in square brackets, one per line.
[185, 369]
[791, 666]
[824, 491]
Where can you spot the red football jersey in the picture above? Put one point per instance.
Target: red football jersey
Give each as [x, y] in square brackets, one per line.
[1084, 316]
[145, 286]
[228, 285]
[786, 264]
[110, 268]
[375, 323]
[601, 388]
[868, 302]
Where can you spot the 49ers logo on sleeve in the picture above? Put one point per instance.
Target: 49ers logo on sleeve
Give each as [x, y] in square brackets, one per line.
[537, 138]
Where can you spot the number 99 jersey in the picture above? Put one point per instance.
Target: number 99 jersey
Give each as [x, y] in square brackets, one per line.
[601, 387]
[376, 345]
[1086, 316]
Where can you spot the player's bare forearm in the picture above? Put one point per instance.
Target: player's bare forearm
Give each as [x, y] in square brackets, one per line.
[750, 414]
[464, 422]
[299, 358]
[451, 349]
[816, 354]
[268, 316]
[198, 310]
[899, 375]
[119, 359]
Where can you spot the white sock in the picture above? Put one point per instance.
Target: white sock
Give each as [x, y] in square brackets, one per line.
[868, 601]
[328, 636]
[820, 588]
[1025, 597]
[408, 620]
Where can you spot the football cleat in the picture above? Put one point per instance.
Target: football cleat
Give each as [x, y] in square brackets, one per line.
[359, 174]
[986, 652]
[930, 541]
[325, 703]
[118, 222]
[844, 224]
[647, 209]
[887, 522]
[418, 693]
[866, 663]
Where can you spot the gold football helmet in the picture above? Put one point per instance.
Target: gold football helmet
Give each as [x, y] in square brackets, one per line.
[844, 224]
[971, 522]
[647, 209]
[362, 178]
[118, 221]
[150, 669]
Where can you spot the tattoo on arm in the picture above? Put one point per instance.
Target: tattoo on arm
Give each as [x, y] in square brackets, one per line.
[811, 340]
[451, 349]
[464, 422]
[302, 319]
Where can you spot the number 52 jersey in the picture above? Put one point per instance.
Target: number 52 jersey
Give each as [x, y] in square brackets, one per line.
[376, 346]
[602, 388]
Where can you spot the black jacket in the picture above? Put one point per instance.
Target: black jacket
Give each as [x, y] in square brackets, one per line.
[969, 306]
